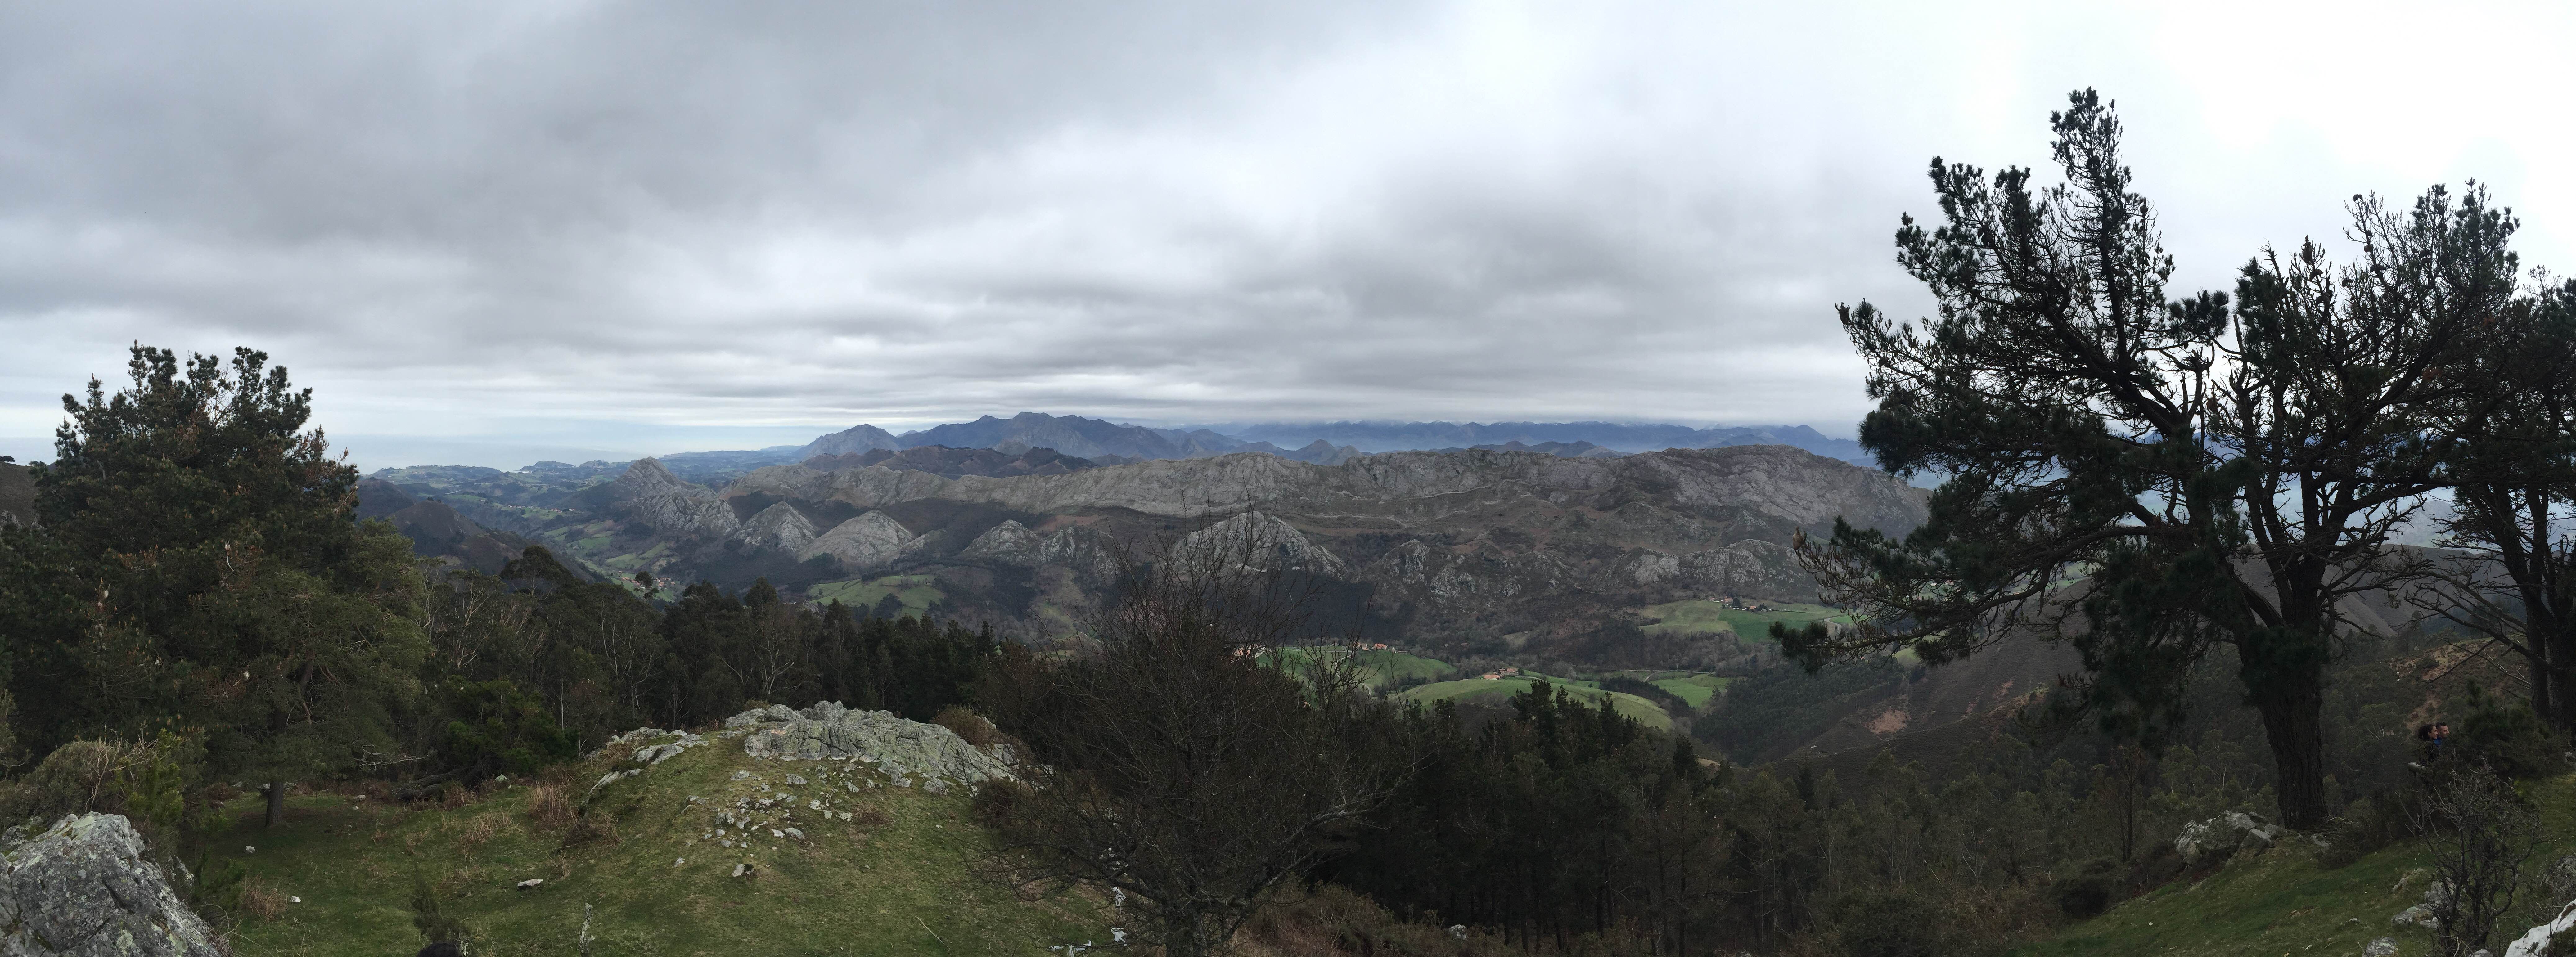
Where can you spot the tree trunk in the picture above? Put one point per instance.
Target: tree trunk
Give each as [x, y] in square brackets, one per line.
[276, 803]
[2291, 706]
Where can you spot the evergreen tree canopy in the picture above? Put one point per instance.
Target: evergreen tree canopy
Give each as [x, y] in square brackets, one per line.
[209, 543]
[2152, 477]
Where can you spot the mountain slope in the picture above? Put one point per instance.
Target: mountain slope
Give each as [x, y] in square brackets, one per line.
[1465, 549]
[1620, 436]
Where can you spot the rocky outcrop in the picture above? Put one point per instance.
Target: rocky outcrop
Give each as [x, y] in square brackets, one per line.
[650, 494]
[2226, 834]
[2535, 942]
[909, 751]
[1257, 541]
[867, 542]
[1774, 486]
[84, 888]
[1010, 543]
[780, 527]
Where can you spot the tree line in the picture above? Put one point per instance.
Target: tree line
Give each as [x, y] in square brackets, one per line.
[197, 570]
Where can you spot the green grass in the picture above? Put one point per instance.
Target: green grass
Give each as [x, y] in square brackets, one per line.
[904, 887]
[1694, 690]
[1385, 667]
[2281, 902]
[916, 592]
[1700, 616]
[1498, 691]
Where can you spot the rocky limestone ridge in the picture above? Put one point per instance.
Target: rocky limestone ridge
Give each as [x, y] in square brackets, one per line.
[83, 888]
[1257, 541]
[780, 527]
[902, 749]
[2226, 834]
[866, 542]
[650, 494]
[1775, 482]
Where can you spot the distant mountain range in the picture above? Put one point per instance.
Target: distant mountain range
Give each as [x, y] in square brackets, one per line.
[1102, 442]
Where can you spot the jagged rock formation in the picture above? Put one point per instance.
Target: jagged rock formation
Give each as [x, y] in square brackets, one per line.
[650, 494]
[909, 751]
[780, 527]
[867, 542]
[84, 888]
[1257, 541]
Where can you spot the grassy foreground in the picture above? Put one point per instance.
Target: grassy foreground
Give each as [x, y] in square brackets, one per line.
[2282, 902]
[897, 878]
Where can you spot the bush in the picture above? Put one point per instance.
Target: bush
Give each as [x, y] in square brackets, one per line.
[2503, 735]
[501, 730]
[967, 724]
[549, 809]
[439, 927]
[2090, 889]
[1891, 925]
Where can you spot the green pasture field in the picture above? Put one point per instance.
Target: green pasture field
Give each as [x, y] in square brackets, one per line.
[916, 592]
[1496, 692]
[1700, 616]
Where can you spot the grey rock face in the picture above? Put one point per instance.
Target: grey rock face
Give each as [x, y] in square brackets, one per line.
[900, 748]
[1010, 543]
[780, 527]
[83, 888]
[650, 494]
[1258, 541]
[866, 542]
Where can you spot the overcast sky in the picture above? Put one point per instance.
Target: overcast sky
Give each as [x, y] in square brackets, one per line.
[495, 232]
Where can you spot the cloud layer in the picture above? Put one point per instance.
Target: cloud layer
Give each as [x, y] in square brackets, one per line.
[633, 227]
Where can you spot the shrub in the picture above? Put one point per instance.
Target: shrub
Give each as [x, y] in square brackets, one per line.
[439, 927]
[967, 724]
[2089, 889]
[257, 900]
[1891, 925]
[549, 809]
[2504, 736]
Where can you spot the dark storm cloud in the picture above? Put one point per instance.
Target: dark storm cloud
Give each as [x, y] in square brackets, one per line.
[633, 227]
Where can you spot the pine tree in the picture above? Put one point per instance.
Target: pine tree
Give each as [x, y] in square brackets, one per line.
[224, 582]
[2152, 478]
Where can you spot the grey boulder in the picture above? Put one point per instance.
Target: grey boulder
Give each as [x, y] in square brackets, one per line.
[83, 887]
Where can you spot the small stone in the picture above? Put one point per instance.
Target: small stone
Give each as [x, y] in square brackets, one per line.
[738, 869]
[795, 779]
[2383, 947]
[247, 849]
[773, 832]
[295, 900]
[531, 883]
[741, 775]
[794, 833]
[679, 862]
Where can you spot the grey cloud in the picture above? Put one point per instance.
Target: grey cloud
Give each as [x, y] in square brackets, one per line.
[645, 226]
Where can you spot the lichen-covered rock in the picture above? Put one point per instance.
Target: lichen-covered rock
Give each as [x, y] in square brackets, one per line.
[2226, 834]
[902, 749]
[2383, 947]
[83, 887]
